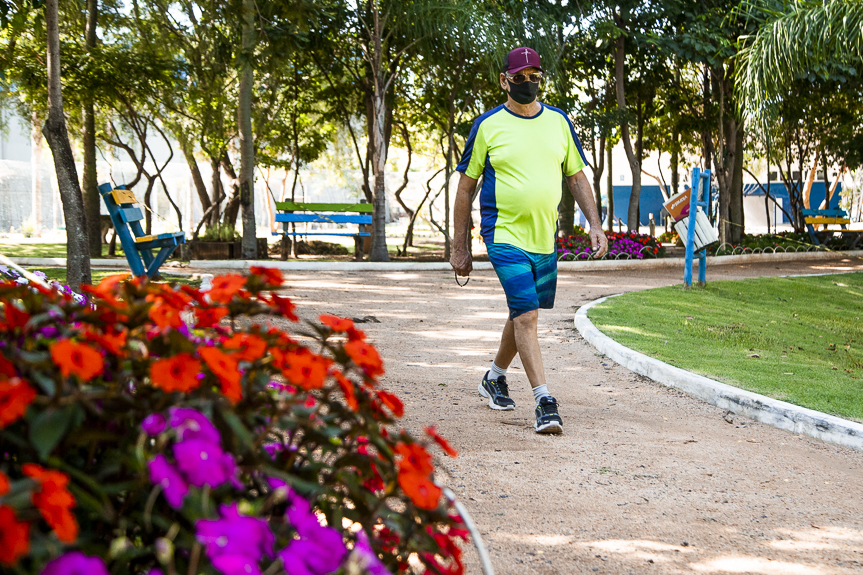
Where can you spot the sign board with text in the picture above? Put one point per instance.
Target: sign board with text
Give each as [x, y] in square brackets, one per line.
[678, 206]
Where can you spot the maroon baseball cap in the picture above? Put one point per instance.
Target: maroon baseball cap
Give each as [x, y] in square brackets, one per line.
[521, 58]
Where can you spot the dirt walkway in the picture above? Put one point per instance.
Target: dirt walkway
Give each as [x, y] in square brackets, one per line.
[644, 479]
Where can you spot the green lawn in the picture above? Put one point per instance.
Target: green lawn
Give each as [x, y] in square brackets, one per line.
[795, 339]
[45, 250]
[59, 274]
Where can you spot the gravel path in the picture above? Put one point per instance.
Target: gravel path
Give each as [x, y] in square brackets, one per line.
[643, 480]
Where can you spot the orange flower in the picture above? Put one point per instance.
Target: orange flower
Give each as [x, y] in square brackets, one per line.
[177, 373]
[14, 537]
[54, 501]
[165, 315]
[4, 484]
[415, 458]
[392, 402]
[270, 276]
[285, 306]
[365, 356]
[77, 359]
[15, 395]
[304, 368]
[336, 323]
[249, 347]
[348, 389]
[226, 369]
[443, 443]
[110, 341]
[108, 288]
[420, 489]
[225, 287]
[210, 317]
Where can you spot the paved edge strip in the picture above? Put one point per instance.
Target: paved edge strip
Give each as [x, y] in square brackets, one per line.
[583, 266]
[575, 266]
[773, 412]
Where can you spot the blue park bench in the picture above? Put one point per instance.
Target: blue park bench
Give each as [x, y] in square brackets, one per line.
[835, 216]
[323, 213]
[126, 215]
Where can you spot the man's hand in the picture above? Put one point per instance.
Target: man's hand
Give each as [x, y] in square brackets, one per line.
[598, 241]
[462, 262]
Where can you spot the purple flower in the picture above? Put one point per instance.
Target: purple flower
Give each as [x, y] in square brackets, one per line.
[163, 473]
[153, 424]
[235, 540]
[192, 424]
[319, 551]
[75, 563]
[366, 557]
[203, 463]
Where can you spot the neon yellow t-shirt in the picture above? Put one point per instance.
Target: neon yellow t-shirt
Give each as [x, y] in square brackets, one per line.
[522, 161]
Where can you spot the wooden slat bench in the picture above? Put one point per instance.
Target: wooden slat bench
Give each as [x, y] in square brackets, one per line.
[814, 218]
[325, 213]
[126, 215]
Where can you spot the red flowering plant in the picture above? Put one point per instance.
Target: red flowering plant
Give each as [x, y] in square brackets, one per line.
[629, 245]
[154, 429]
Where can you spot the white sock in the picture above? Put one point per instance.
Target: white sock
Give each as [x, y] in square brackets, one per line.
[539, 392]
[495, 372]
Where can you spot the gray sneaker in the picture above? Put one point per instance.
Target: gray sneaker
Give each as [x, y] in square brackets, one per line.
[497, 393]
[547, 418]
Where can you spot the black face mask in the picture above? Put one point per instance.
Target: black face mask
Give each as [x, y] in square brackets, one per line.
[523, 93]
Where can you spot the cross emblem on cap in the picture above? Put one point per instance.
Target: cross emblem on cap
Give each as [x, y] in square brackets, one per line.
[526, 59]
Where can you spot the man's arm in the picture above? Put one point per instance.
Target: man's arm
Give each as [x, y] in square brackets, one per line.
[460, 259]
[580, 189]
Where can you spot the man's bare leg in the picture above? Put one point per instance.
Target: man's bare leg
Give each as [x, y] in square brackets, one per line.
[527, 343]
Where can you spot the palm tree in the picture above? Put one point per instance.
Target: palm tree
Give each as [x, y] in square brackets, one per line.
[803, 39]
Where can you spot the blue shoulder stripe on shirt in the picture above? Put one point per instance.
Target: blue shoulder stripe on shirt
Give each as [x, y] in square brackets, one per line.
[572, 131]
[468, 146]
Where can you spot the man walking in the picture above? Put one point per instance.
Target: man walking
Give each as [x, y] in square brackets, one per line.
[522, 149]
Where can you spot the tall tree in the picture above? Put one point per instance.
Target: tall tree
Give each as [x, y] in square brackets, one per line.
[77, 248]
[89, 185]
[244, 121]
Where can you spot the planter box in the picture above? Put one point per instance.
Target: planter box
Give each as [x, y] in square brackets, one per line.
[224, 250]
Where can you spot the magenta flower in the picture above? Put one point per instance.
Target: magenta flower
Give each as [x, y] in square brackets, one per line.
[235, 543]
[163, 473]
[192, 424]
[319, 551]
[153, 424]
[75, 563]
[203, 463]
[366, 557]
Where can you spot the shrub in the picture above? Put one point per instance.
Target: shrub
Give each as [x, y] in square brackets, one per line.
[631, 244]
[160, 430]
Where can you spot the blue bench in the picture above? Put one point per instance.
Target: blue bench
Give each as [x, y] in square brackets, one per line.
[324, 213]
[126, 215]
[814, 218]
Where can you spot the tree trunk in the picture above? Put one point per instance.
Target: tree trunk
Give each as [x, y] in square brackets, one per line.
[197, 179]
[77, 253]
[608, 148]
[89, 184]
[634, 161]
[36, 174]
[247, 147]
[597, 174]
[675, 163]
[736, 191]
[217, 192]
[379, 140]
[232, 206]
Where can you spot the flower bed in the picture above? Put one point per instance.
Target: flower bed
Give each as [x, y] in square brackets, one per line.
[628, 245]
[153, 430]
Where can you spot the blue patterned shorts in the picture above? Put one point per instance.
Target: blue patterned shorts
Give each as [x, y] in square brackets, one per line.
[529, 280]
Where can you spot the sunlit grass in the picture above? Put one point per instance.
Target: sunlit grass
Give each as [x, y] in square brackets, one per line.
[795, 339]
[59, 274]
[45, 250]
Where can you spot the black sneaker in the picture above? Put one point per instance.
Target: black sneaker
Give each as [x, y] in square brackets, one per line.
[497, 393]
[547, 418]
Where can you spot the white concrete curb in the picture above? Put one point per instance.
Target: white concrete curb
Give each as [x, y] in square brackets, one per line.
[573, 266]
[752, 405]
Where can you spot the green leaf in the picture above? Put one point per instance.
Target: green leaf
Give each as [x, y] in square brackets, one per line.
[44, 381]
[48, 428]
[243, 434]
